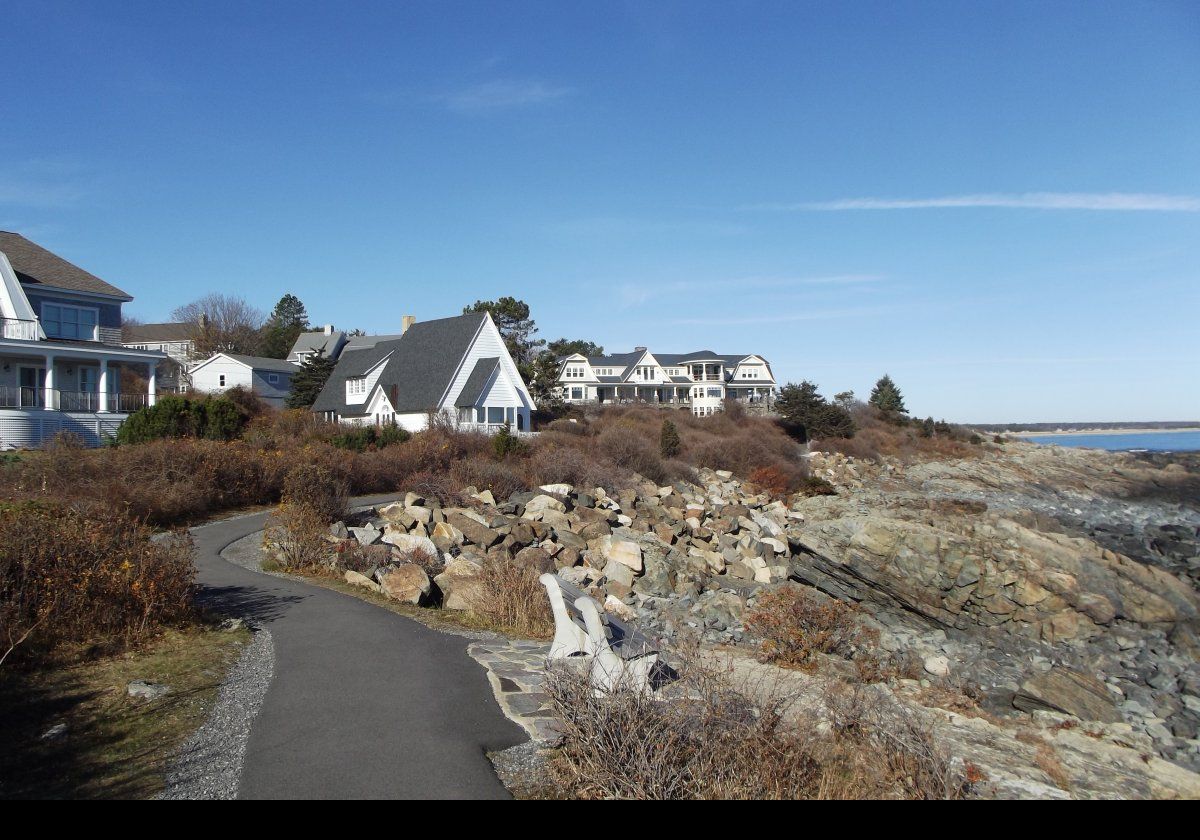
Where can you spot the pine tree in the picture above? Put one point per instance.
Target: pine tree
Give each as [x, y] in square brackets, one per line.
[516, 328]
[887, 397]
[668, 440]
[809, 415]
[309, 380]
[288, 319]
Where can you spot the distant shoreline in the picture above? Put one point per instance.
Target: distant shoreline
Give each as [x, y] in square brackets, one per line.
[1070, 432]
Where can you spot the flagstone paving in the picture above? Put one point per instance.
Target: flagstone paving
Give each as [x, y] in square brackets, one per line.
[517, 671]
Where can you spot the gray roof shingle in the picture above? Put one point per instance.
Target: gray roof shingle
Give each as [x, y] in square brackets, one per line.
[35, 266]
[420, 365]
[477, 381]
[317, 342]
[264, 363]
[141, 333]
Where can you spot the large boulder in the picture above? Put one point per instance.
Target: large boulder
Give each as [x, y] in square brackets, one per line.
[407, 544]
[460, 584]
[1070, 692]
[538, 504]
[474, 532]
[626, 552]
[358, 579]
[535, 558]
[405, 582]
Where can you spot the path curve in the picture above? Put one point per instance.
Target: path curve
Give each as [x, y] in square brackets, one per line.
[364, 703]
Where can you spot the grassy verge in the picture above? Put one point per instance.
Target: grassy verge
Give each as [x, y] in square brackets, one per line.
[114, 747]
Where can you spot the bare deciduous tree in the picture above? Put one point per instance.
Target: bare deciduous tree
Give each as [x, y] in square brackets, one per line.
[221, 324]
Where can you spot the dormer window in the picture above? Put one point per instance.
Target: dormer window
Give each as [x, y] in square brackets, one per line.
[73, 322]
[356, 386]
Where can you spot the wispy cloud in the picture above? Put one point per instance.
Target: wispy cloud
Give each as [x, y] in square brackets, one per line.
[782, 317]
[503, 94]
[634, 294]
[41, 183]
[1034, 200]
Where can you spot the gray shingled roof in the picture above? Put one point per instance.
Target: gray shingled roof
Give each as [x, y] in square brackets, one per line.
[36, 266]
[316, 342]
[421, 366]
[263, 363]
[141, 333]
[477, 381]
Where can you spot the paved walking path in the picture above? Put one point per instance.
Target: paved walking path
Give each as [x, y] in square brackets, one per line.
[364, 703]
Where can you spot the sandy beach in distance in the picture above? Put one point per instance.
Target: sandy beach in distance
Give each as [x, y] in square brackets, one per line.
[1103, 432]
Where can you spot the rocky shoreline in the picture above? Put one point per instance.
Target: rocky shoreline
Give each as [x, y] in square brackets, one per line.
[1042, 582]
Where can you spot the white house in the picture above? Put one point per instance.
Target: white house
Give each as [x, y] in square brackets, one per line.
[457, 366]
[61, 359]
[700, 381]
[326, 341]
[269, 379]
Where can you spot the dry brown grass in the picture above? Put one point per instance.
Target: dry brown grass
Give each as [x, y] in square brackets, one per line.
[878, 437]
[512, 600]
[718, 740]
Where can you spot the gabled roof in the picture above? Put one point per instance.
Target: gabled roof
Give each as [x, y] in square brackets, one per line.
[317, 342]
[420, 365]
[254, 362]
[142, 333]
[35, 266]
[477, 381]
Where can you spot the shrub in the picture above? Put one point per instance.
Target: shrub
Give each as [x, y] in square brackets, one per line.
[795, 624]
[631, 451]
[714, 738]
[668, 440]
[215, 418]
[569, 427]
[318, 488]
[500, 478]
[366, 438]
[505, 443]
[295, 537]
[71, 577]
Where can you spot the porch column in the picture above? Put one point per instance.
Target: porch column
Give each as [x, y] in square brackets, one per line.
[152, 389]
[49, 396]
[102, 386]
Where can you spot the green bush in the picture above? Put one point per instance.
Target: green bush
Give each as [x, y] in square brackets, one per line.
[367, 438]
[505, 442]
[214, 418]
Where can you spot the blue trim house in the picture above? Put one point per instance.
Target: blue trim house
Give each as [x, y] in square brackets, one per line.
[61, 359]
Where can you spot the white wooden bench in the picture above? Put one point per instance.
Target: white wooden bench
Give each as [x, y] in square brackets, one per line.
[619, 655]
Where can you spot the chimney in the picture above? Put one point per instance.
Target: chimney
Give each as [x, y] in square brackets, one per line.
[639, 349]
[406, 322]
[328, 329]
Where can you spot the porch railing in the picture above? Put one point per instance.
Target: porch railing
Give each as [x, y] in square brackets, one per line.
[18, 328]
[12, 396]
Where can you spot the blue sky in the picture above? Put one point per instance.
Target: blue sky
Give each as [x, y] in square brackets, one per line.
[996, 203]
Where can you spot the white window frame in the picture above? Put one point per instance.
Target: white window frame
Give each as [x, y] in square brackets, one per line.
[356, 386]
[273, 378]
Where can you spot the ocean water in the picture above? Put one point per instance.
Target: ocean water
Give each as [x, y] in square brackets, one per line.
[1152, 441]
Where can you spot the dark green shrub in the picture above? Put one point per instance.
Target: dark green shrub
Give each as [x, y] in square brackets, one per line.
[222, 419]
[367, 438]
[170, 417]
[668, 440]
[505, 442]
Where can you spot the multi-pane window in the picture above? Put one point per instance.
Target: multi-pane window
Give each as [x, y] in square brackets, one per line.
[356, 386]
[74, 322]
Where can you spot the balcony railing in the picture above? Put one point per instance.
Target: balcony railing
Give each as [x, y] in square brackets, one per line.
[18, 329]
[77, 401]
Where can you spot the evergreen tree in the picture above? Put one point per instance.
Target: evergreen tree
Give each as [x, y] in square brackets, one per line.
[668, 440]
[887, 397]
[562, 347]
[309, 380]
[288, 319]
[809, 415]
[516, 328]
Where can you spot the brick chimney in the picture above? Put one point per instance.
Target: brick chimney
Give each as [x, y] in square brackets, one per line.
[406, 322]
